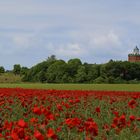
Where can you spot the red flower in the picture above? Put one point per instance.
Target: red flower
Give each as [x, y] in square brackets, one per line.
[122, 119]
[97, 109]
[91, 127]
[51, 133]
[59, 107]
[106, 127]
[59, 129]
[14, 136]
[119, 122]
[27, 138]
[33, 120]
[21, 133]
[132, 104]
[38, 135]
[116, 113]
[116, 121]
[73, 122]
[132, 118]
[138, 119]
[22, 123]
[51, 117]
[37, 110]
[7, 125]
[113, 125]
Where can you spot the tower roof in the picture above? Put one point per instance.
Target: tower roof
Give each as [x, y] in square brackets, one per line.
[136, 51]
[136, 48]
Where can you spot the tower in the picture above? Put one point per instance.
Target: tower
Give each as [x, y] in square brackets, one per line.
[135, 56]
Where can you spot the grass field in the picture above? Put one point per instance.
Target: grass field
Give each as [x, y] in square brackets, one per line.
[113, 87]
[9, 78]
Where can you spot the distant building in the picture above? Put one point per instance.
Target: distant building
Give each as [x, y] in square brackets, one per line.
[134, 56]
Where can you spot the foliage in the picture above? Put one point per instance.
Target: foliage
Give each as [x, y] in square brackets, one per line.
[24, 70]
[56, 72]
[17, 69]
[73, 71]
[37, 73]
[53, 70]
[2, 70]
[81, 74]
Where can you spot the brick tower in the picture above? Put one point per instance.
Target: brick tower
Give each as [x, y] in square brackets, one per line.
[135, 56]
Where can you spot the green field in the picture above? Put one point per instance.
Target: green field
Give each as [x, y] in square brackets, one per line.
[9, 78]
[113, 87]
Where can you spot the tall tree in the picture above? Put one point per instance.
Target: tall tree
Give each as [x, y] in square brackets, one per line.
[73, 65]
[56, 71]
[17, 69]
[2, 70]
[24, 70]
[51, 58]
[81, 74]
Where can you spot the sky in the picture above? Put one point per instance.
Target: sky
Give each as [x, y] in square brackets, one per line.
[93, 30]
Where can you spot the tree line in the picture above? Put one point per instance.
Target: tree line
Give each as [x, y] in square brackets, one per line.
[53, 70]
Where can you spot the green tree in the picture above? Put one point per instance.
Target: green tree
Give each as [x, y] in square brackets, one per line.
[73, 65]
[92, 71]
[41, 76]
[66, 78]
[56, 71]
[33, 74]
[100, 80]
[51, 58]
[24, 70]
[2, 70]
[81, 74]
[17, 69]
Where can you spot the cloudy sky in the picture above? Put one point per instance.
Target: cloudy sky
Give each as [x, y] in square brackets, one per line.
[93, 30]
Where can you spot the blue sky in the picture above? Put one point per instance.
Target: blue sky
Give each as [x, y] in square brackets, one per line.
[93, 30]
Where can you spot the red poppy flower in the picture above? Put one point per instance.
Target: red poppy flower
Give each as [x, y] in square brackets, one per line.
[132, 118]
[38, 135]
[37, 110]
[51, 133]
[22, 123]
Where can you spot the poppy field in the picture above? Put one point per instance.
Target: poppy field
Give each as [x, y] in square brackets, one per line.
[33, 114]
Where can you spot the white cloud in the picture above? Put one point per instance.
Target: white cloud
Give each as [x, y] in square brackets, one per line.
[106, 39]
[67, 50]
[21, 41]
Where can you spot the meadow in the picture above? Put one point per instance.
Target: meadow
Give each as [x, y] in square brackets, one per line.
[108, 87]
[9, 77]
